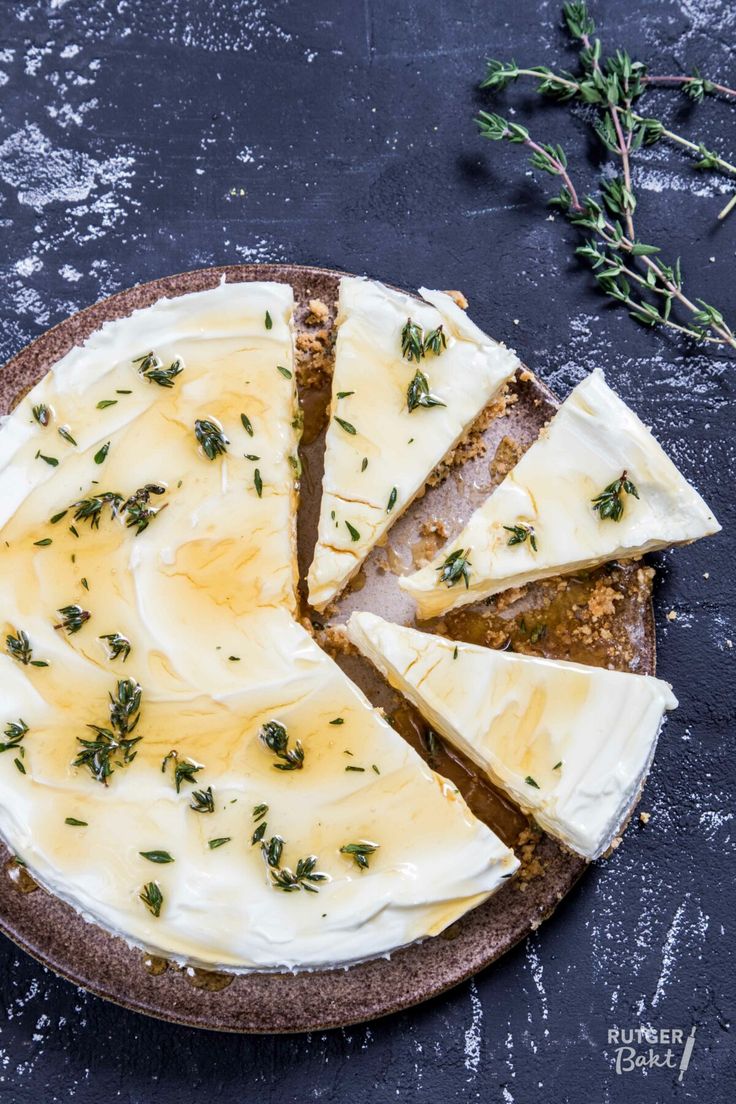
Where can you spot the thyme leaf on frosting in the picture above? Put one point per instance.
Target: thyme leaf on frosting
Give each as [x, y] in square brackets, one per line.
[211, 437]
[412, 341]
[609, 503]
[14, 731]
[138, 513]
[259, 814]
[203, 801]
[152, 369]
[521, 533]
[42, 414]
[72, 618]
[152, 898]
[117, 645]
[435, 341]
[360, 852]
[157, 856]
[286, 879]
[418, 393]
[101, 454]
[347, 426]
[275, 737]
[455, 567]
[113, 746]
[64, 432]
[19, 648]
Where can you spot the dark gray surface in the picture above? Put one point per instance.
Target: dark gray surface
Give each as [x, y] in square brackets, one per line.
[127, 133]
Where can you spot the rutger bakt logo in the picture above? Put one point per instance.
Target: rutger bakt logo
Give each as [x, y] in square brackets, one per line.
[646, 1048]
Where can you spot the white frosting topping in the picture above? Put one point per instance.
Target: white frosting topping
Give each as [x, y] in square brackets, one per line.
[570, 744]
[373, 474]
[590, 442]
[205, 597]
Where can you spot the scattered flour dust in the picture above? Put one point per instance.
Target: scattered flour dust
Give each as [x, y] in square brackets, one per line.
[473, 1035]
[43, 173]
[682, 932]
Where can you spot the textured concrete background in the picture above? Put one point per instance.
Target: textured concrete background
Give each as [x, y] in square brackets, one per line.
[140, 139]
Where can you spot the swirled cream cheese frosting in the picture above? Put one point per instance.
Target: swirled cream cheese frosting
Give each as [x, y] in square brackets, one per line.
[409, 380]
[595, 486]
[178, 758]
[570, 744]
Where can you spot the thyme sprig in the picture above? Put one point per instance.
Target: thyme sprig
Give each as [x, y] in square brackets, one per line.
[627, 269]
[203, 801]
[609, 503]
[14, 732]
[521, 533]
[211, 437]
[185, 770]
[72, 618]
[152, 898]
[275, 737]
[151, 367]
[117, 645]
[136, 510]
[42, 414]
[455, 567]
[19, 648]
[360, 852]
[114, 746]
[284, 878]
[418, 393]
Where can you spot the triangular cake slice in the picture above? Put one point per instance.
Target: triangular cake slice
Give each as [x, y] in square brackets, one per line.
[595, 486]
[410, 377]
[570, 744]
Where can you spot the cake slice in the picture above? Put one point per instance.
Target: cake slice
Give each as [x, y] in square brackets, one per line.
[410, 377]
[595, 486]
[570, 744]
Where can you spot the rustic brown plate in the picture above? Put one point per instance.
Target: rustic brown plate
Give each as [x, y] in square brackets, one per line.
[104, 964]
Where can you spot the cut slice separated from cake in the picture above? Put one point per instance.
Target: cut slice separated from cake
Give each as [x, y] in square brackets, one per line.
[570, 744]
[595, 486]
[410, 378]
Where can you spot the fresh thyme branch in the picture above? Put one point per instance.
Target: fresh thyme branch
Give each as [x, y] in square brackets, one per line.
[627, 269]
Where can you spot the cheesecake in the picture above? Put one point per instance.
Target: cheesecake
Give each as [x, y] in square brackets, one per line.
[410, 378]
[571, 745]
[179, 760]
[595, 486]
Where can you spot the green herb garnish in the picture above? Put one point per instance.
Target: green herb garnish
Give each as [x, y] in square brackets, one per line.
[268, 320]
[210, 436]
[118, 645]
[43, 543]
[412, 341]
[152, 898]
[456, 567]
[104, 403]
[42, 414]
[64, 432]
[344, 394]
[435, 341]
[521, 533]
[609, 503]
[72, 618]
[531, 782]
[391, 500]
[113, 746]
[418, 393]
[258, 483]
[14, 731]
[346, 426]
[74, 823]
[213, 844]
[354, 534]
[203, 801]
[151, 368]
[157, 856]
[284, 372]
[50, 460]
[360, 852]
[101, 454]
[247, 424]
[275, 737]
